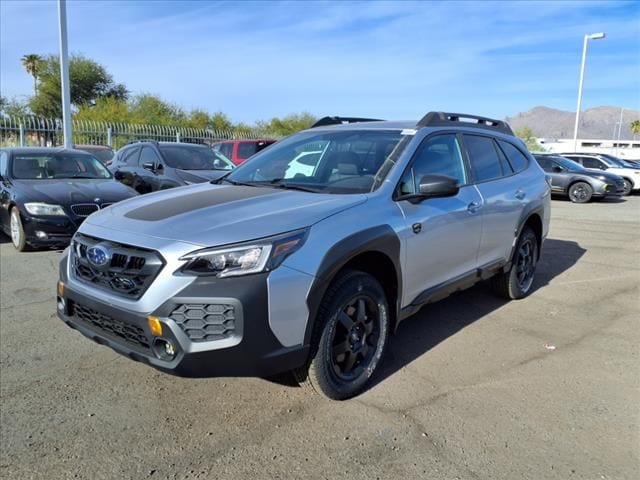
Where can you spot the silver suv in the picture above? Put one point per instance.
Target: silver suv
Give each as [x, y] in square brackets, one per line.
[309, 267]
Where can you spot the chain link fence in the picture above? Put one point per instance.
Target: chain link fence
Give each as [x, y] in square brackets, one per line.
[46, 132]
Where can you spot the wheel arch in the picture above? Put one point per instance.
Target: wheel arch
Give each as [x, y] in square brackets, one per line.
[533, 220]
[375, 251]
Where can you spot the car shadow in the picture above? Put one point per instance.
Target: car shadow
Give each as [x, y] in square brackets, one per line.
[438, 321]
[4, 238]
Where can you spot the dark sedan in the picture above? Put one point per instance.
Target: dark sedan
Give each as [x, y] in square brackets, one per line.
[148, 166]
[45, 194]
[579, 184]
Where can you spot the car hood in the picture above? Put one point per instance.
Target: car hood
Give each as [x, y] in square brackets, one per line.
[71, 191]
[211, 215]
[200, 176]
[612, 177]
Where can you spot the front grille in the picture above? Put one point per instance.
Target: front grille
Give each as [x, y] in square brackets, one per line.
[84, 209]
[106, 324]
[205, 322]
[128, 271]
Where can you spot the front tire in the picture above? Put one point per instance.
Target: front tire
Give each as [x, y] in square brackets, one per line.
[628, 186]
[517, 282]
[351, 333]
[18, 237]
[580, 192]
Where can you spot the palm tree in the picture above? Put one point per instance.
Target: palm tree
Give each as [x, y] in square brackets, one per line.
[31, 64]
[635, 128]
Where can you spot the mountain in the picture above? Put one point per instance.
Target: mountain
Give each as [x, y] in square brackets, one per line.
[598, 122]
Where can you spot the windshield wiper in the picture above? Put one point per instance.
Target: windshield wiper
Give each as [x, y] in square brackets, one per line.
[232, 182]
[280, 183]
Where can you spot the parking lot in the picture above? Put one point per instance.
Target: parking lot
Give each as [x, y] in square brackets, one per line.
[472, 387]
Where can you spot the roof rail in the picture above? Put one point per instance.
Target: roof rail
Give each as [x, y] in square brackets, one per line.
[142, 140]
[444, 119]
[340, 120]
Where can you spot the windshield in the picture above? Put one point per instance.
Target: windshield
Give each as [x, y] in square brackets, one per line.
[568, 164]
[320, 161]
[612, 161]
[37, 166]
[194, 158]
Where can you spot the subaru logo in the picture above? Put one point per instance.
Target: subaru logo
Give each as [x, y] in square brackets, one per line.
[98, 256]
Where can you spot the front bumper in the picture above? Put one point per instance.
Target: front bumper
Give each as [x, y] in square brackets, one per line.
[250, 349]
[57, 230]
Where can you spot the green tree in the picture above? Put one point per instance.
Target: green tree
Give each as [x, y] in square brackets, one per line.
[32, 63]
[635, 128]
[147, 108]
[88, 79]
[106, 109]
[288, 124]
[13, 107]
[220, 121]
[526, 134]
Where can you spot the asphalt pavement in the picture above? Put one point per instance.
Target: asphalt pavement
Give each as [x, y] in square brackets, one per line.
[472, 387]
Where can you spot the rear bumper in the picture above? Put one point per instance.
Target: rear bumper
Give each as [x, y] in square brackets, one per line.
[250, 349]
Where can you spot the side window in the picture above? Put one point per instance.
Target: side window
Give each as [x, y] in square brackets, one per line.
[3, 164]
[545, 163]
[148, 156]
[246, 149]
[516, 158]
[438, 155]
[592, 163]
[129, 157]
[485, 162]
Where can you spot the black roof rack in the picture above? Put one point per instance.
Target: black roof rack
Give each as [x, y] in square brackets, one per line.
[340, 120]
[444, 119]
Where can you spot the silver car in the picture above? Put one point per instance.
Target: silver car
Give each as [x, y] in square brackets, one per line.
[274, 269]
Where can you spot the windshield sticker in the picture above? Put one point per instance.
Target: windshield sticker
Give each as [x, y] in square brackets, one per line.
[408, 131]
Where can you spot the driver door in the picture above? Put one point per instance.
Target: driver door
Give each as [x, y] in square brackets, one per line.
[441, 237]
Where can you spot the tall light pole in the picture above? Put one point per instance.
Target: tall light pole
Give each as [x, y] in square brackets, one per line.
[64, 74]
[593, 36]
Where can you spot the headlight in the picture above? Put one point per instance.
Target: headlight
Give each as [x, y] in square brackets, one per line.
[254, 257]
[43, 209]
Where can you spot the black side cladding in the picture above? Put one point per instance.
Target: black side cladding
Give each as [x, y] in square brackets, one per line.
[177, 205]
[380, 239]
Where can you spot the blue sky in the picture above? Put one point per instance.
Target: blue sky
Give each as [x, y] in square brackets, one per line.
[255, 60]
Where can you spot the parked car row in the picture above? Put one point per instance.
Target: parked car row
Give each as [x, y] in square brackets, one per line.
[46, 193]
[586, 176]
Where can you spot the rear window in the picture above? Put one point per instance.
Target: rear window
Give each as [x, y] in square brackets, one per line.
[485, 162]
[516, 158]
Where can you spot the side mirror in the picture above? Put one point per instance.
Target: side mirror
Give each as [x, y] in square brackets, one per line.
[435, 186]
[556, 169]
[149, 166]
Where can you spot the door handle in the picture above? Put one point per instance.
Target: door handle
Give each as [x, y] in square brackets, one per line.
[473, 207]
[520, 194]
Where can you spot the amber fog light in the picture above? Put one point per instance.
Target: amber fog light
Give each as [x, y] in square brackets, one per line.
[60, 288]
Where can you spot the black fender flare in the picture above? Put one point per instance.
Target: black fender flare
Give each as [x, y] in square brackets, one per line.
[380, 239]
[527, 213]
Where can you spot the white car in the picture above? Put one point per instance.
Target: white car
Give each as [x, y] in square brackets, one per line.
[596, 161]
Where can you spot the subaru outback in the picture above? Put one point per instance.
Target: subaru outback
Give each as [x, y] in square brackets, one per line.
[272, 269]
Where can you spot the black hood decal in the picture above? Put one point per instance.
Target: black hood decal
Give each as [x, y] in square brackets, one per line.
[189, 202]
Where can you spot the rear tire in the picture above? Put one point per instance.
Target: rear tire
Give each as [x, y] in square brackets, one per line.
[517, 282]
[350, 336]
[580, 192]
[18, 237]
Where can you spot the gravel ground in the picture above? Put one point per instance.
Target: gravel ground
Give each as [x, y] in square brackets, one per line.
[472, 387]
